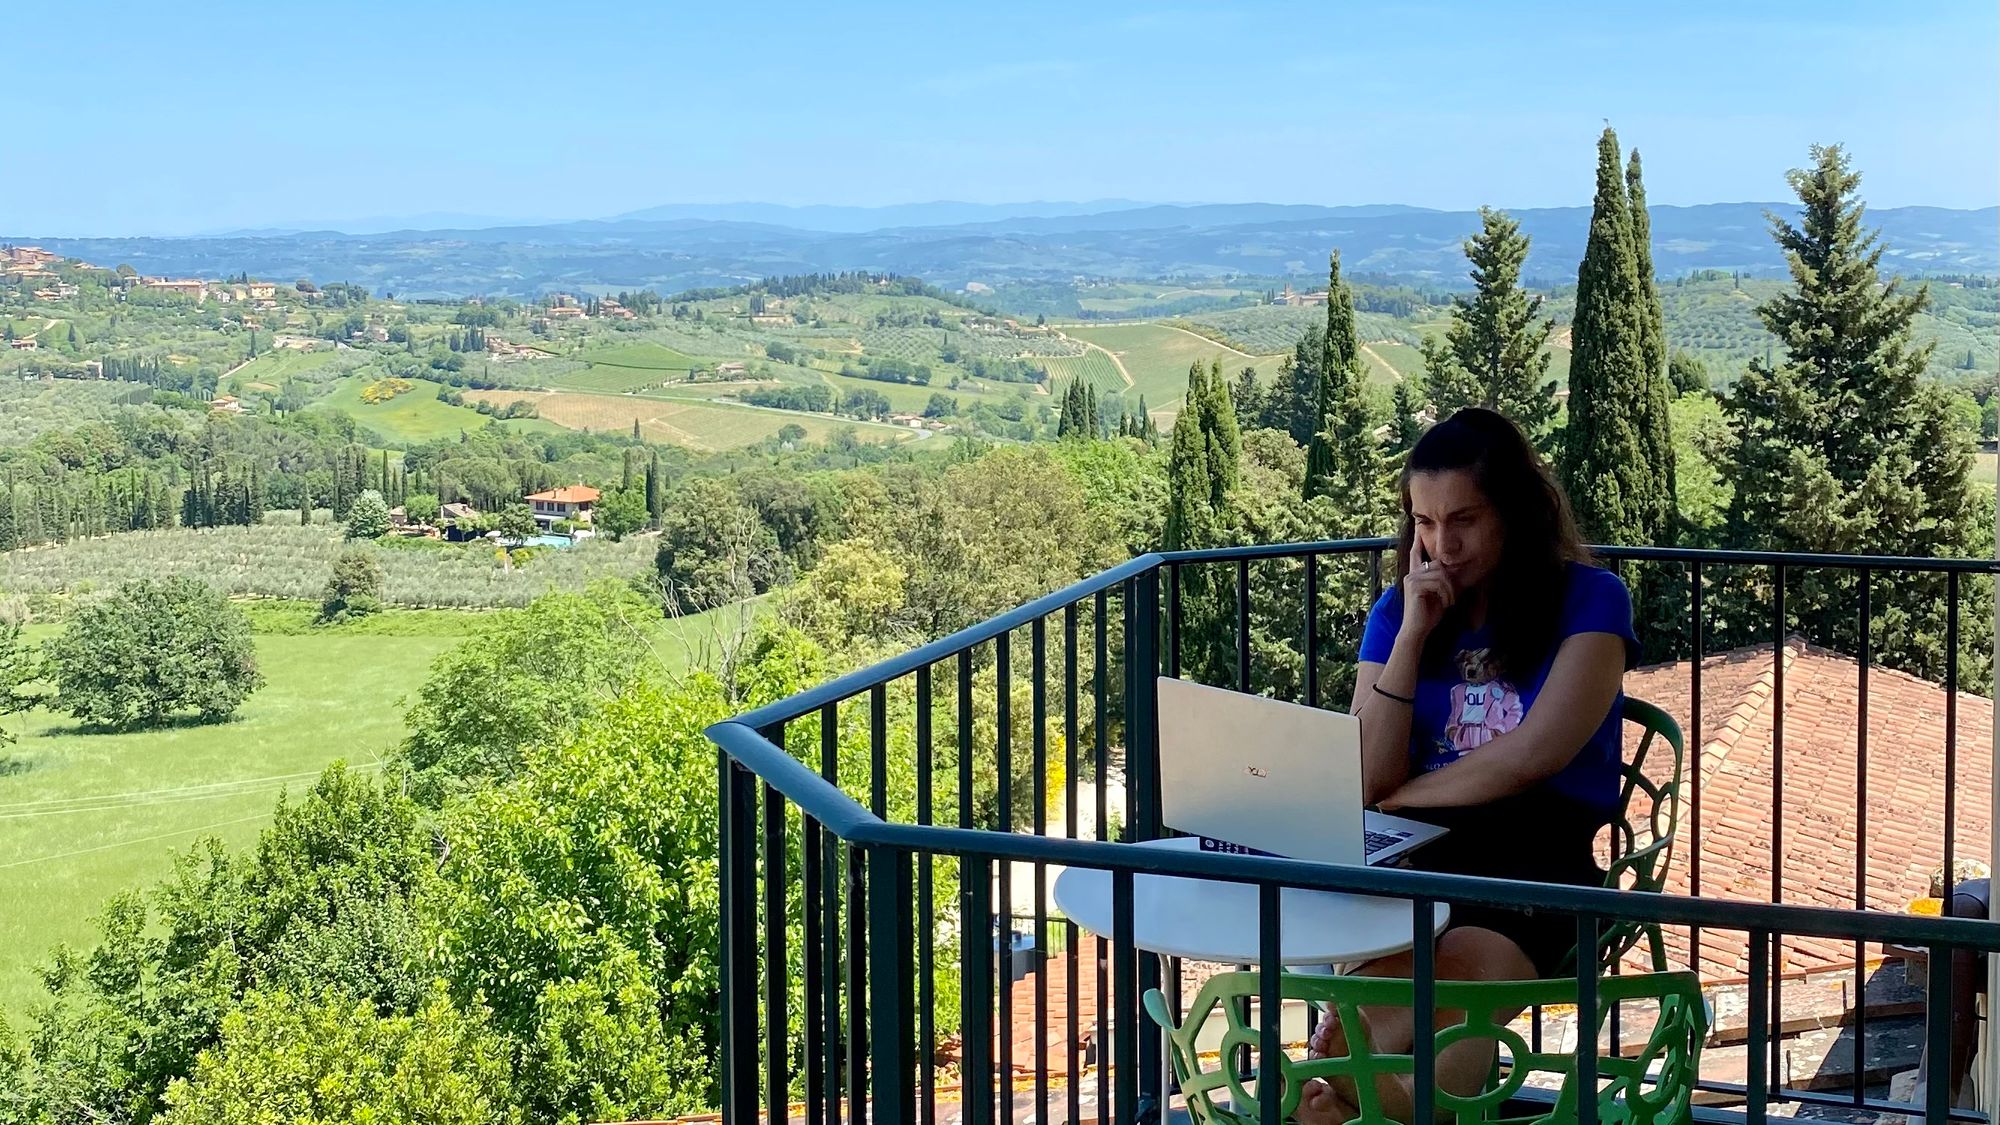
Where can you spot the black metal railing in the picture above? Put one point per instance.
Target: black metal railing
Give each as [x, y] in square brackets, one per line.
[865, 919]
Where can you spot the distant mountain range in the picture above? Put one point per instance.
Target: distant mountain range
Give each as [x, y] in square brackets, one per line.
[690, 245]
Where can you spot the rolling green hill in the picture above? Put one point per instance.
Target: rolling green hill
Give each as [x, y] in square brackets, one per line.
[412, 417]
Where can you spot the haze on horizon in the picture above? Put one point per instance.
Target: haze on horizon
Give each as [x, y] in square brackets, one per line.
[481, 114]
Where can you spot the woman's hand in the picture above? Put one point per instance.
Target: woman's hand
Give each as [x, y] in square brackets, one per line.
[1427, 594]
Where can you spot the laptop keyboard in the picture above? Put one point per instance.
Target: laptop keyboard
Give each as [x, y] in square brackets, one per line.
[1376, 841]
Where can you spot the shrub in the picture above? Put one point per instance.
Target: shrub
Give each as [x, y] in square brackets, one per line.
[354, 589]
[154, 649]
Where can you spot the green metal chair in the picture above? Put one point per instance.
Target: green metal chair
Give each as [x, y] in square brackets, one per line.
[1653, 1086]
[1641, 850]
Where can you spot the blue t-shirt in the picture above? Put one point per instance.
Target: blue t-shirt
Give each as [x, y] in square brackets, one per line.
[1464, 707]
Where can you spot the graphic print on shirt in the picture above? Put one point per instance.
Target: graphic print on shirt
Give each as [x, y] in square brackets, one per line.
[1483, 706]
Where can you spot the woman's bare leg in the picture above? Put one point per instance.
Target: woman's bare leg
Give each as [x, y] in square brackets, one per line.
[1469, 953]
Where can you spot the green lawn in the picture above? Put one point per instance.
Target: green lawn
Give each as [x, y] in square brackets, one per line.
[84, 816]
[1986, 467]
[409, 418]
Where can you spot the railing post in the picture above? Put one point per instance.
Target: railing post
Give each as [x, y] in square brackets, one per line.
[1142, 779]
[738, 825]
[1142, 712]
[891, 986]
[975, 889]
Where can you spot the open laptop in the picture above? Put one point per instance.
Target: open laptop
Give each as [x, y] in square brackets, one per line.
[1250, 774]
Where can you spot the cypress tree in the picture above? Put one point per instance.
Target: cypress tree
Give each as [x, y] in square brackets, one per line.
[1344, 460]
[1492, 353]
[1203, 463]
[655, 491]
[1655, 418]
[1405, 427]
[1604, 460]
[1841, 445]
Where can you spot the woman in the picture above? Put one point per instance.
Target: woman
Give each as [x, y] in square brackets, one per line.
[1489, 699]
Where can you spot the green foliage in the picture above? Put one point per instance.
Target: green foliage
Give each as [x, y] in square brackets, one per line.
[520, 681]
[515, 523]
[1704, 448]
[152, 650]
[332, 1061]
[421, 507]
[20, 666]
[1618, 479]
[857, 595]
[620, 512]
[1343, 459]
[580, 905]
[354, 589]
[324, 906]
[1687, 373]
[369, 517]
[713, 549]
[1840, 448]
[1492, 353]
[1202, 458]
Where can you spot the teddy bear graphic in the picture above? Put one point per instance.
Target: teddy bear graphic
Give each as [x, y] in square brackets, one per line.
[1483, 706]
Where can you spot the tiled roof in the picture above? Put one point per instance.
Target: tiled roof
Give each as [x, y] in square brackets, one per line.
[1821, 842]
[567, 494]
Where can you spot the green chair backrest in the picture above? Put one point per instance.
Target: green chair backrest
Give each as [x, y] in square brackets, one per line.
[1651, 1086]
[1642, 840]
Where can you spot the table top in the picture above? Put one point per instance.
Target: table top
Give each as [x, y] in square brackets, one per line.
[1207, 920]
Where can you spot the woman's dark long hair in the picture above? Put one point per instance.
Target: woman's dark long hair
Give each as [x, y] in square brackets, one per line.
[1525, 593]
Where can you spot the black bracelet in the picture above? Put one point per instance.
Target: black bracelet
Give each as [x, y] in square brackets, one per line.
[1407, 701]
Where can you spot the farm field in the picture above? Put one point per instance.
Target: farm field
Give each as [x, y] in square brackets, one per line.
[696, 424]
[274, 367]
[410, 418]
[1390, 360]
[626, 367]
[287, 561]
[1093, 367]
[84, 816]
[1158, 357]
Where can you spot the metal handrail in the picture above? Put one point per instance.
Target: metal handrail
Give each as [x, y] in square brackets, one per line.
[846, 819]
[896, 667]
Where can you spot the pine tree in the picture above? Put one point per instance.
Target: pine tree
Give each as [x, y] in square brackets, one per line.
[1252, 402]
[1492, 353]
[1605, 457]
[1842, 446]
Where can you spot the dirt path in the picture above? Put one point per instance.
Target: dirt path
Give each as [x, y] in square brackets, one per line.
[50, 324]
[1213, 342]
[1108, 353]
[1371, 353]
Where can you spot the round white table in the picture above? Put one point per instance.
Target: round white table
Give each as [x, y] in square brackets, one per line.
[1209, 920]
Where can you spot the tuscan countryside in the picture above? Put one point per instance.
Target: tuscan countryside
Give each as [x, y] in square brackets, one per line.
[905, 565]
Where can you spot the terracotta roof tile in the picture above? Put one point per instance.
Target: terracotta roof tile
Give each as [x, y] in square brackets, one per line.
[1821, 833]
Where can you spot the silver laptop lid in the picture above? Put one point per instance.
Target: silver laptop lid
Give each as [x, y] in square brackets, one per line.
[1260, 773]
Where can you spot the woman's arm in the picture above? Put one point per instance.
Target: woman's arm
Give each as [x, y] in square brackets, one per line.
[1385, 722]
[1582, 684]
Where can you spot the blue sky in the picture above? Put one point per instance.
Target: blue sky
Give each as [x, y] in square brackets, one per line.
[147, 118]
